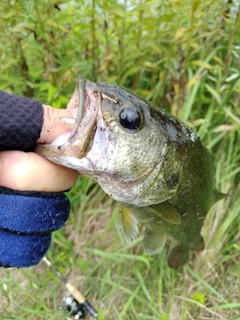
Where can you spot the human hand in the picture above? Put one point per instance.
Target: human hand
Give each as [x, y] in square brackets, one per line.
[28, 218]
[28, 171]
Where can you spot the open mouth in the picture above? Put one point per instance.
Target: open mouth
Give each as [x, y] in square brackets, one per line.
[78, 142]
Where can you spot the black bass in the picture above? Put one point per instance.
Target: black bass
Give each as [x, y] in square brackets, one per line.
[149, 161]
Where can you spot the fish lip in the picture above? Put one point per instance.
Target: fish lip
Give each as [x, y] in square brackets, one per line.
[84, 127]
[79, 140]
[81, 99]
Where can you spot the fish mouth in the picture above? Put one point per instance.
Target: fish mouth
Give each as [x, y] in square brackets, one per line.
[81, 98]
[77, 142]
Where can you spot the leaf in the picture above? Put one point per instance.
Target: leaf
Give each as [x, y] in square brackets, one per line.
[180, 32]
[202, 64]
[227, 306]
[195, 79]
[119, 11]
[22, 26]
[224, 127]
[232, 77]
[214, 93]
[149, 64]
[199, 297]
[218, 60]
[56, 25]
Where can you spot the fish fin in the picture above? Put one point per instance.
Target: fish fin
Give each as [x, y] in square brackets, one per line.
[128, 223]
[198, 244]
[167, 212]
[219, 195]
[153, 242]
[178, 256]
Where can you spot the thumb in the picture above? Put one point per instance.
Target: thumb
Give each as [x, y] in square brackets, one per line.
[52, 125]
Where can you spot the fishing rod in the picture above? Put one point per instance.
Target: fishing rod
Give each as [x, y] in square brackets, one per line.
[75, 303]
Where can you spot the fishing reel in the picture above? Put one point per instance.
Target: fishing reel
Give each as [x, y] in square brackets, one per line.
[74, 302]
[75, 309]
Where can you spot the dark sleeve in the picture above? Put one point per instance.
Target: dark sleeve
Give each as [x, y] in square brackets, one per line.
[21, 121]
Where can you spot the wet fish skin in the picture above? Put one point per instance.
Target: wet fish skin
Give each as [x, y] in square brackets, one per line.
[159, 171]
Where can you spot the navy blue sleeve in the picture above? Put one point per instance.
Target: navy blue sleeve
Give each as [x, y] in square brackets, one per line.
[27, 218]
[21, 121]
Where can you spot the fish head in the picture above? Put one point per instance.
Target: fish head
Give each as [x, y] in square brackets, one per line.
[117, 140]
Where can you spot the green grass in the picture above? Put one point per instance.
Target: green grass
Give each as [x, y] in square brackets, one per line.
[183, 56]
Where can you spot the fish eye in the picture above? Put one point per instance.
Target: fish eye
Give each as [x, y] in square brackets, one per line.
[130, 118]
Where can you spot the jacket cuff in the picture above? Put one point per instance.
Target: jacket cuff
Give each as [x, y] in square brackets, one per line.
[27, 219]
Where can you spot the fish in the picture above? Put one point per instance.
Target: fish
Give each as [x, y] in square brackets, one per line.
[149, 161]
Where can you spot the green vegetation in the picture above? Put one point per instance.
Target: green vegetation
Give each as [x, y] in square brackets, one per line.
[183, 56]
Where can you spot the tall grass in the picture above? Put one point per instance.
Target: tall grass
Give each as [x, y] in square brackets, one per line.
[183, 56]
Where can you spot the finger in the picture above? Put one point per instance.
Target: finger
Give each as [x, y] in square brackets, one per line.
[52, 124]
[28, 171]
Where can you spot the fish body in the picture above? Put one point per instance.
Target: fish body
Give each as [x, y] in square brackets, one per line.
[149, 161]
